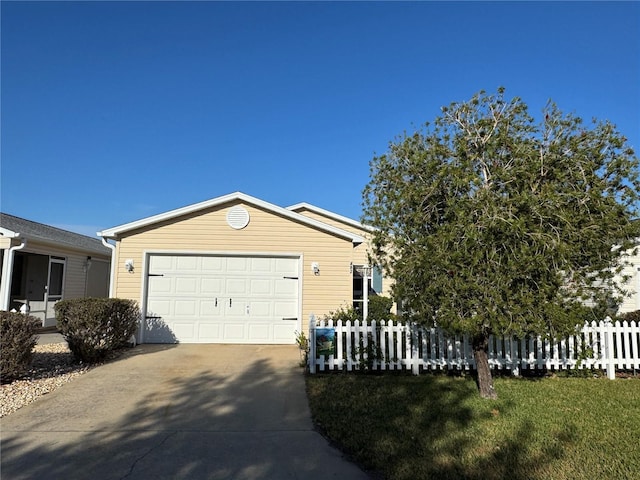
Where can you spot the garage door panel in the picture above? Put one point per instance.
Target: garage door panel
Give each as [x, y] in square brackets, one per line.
[287, 266]
[236, 265]
[213, 265]
[160, 285]
[161, 262]
[184, 308]
[260, 309]
[261, 287]
[184, 331]
[222, 299]
[187, 285]
[188, 264]
[282, 333]
[259, 332]
[261, 265]
[234, 331]
[236, 286]
[210, 308]
[284, 309]
[157, 331]
[159, 307]
[285, 286]
[211, 286]
[209, 332]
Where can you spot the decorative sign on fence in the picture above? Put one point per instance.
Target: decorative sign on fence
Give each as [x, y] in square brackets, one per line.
[325, 341]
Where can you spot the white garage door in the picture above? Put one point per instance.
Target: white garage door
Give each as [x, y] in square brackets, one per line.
[221, 299]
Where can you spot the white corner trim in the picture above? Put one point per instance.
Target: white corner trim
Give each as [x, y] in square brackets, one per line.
[112, 267]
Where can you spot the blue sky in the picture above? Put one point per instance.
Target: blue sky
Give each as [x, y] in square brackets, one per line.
[114, 111]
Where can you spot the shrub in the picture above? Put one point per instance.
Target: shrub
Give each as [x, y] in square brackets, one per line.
[347, 313]
[17, 337]
[630, 316]
[95, 326]
[380, 308]
[303, 344]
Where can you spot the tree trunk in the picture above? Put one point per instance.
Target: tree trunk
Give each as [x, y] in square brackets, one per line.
[484, 379]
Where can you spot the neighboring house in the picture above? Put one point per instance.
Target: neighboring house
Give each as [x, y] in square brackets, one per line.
[237, 269]
[632, 302]
[41, 265]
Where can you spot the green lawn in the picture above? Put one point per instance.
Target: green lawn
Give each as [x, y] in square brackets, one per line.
[437, 427]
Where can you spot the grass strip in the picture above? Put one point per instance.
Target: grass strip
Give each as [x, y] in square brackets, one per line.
[437, 426]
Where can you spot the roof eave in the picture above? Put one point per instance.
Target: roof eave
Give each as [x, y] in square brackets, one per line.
[114, 232]
[333, 215]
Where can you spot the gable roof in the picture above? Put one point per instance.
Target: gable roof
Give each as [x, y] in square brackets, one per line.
[326, 213]
[114, 232]
[16, 227]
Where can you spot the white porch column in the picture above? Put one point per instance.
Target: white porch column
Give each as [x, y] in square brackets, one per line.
[7, 272]
[365, 292]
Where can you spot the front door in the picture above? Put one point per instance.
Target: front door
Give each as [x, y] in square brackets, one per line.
[55, 288]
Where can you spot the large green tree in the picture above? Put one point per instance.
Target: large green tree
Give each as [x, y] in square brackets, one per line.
[494, 223]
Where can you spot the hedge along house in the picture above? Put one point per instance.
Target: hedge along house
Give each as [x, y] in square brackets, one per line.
[237, 269]
[42, 264]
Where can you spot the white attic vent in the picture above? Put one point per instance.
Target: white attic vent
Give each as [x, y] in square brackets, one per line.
[238, 217]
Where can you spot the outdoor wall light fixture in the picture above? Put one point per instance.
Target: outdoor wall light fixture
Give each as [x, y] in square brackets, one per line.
[128, 265]
[315, 268]
[87, 265]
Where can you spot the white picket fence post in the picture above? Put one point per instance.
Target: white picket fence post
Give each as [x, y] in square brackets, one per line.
[609, 349]
[414, 335]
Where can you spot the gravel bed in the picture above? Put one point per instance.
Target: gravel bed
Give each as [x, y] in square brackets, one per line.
[53, 365]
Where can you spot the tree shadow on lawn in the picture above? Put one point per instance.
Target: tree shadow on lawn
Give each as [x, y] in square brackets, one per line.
[183, 423]
[431, 427]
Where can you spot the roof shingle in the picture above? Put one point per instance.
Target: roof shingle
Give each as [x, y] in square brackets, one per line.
[49, 234]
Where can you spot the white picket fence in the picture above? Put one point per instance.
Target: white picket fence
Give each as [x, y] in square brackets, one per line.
[395, 346]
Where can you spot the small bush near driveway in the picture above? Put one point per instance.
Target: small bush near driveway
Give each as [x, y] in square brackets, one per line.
[437, 427]
[95, 326]
[17, 339]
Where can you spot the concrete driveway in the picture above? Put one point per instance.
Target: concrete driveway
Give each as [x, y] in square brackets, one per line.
[179, 412]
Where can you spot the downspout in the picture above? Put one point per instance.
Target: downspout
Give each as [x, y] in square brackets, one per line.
[7, 275]
[112, 275]
[112, 278]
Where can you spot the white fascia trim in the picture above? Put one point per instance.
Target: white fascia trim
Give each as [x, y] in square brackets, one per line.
[8, 233]
[327, 213]
[115, 231]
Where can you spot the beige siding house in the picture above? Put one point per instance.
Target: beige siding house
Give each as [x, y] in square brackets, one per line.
[237, 269]
[41, 265]
[632, 271]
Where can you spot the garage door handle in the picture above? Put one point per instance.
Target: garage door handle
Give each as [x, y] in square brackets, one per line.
[289, 318]
[230, 301]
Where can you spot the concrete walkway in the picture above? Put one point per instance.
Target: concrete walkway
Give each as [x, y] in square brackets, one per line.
[175, 412]
[50, 337]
